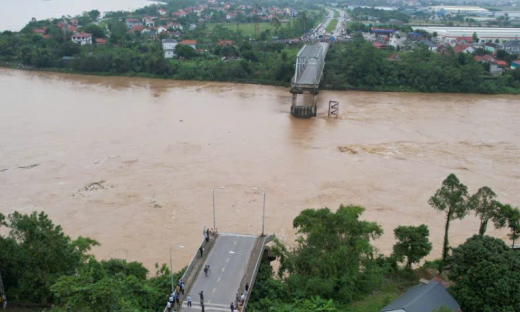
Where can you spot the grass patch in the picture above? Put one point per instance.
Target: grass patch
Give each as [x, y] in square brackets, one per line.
[332, 25]
[336, 13]
[248, 29]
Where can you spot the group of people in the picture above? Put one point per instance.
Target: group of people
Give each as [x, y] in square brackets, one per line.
[174, 297]
[239, 300]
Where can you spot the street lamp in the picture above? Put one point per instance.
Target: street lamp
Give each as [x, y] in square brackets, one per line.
[263, 213]
[171, 264]
[237, 253]
[213, 193]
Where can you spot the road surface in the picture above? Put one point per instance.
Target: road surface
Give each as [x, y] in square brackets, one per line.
[227, 261]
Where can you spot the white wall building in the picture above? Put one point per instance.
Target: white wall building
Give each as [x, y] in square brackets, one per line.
[82, 38]
[484, 34]
[459, 9]
[168, 46]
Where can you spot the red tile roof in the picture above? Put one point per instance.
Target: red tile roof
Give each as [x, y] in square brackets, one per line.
[189, 42]
[73, 28]
[137, 28]
[225, 42]
[516, 62]
[100, 41]
[132, 20]
[467, 39]
[502, 63]
[484, 58]
[460, 48]
[39, 30]
[378, 45]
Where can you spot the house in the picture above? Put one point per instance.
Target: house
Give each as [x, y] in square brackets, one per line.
[515, 64]
[192, 26]
[225, 43]
[378, 45]
[431, 46]
[494, 69]
[168, 46]
[191, 43]
[175, 26]
[486, 58]
[491, 47]
[72, 28]
[424, 297]
[132, 22]
[397, 41]
[136, 29]
[464, 40]
[40, 31]
[394, 58]
[512, 47]
[179, 14]
[82, 38]
[149, 22]
[463, 48]
[100, 41]
[502, 64]
[162, 12]
[161, 30]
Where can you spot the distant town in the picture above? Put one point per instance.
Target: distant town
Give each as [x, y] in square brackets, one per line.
[222, 31]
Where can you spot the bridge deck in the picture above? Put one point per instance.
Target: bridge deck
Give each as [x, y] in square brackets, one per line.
[311, 75]
[227, 261]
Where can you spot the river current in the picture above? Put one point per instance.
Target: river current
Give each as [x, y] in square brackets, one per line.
[131, 162]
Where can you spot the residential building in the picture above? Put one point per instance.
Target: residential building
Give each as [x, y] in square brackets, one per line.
[486, 58]
[191, 43]
[132, 22]
[175, 26]
[431, 46]
[100, 41]
[515, 64]
[463, 48]
[168, 46]
[491, 47]
[394, 58]
[225, 42]
[512, 47]
[424, 297]
[149, 22]
[82, 38]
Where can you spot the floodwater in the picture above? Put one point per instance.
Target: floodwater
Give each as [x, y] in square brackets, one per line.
[14, 15]
[130, 162]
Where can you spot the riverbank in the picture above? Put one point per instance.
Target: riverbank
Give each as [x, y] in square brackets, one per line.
[392, 89]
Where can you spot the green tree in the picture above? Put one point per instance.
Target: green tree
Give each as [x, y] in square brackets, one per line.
[95, 30]
[485, 206]
[475, 37]
[185, 51]
[487, 275]
[94, 14]
[452, 199]
[510, 216]
[333, 257]
[412, 244]
[38, 254]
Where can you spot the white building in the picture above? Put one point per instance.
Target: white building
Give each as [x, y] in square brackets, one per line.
[168, 46]
[82, 38]
[484, 34]
[459, 9]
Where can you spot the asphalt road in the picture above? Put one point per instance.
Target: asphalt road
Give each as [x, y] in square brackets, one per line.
[227, 261]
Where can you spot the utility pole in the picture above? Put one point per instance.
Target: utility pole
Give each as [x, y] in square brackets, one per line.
[3, 299]
[263, 217]
[171, 268]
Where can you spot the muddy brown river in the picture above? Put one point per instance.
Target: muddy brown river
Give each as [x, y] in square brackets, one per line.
[130, 162]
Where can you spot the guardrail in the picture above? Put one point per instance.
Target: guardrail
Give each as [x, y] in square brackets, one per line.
[267, 239]
[190, 267]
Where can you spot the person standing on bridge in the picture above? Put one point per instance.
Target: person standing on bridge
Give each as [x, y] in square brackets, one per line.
[169, 306]
[189, 300]
[201, 294]
[237, 300]
[247, 287]
[201, 250]
[232, 307]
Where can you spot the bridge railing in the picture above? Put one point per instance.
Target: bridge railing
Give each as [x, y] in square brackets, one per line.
[190, 268]
[267, 239]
